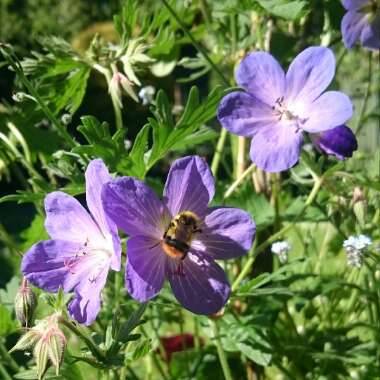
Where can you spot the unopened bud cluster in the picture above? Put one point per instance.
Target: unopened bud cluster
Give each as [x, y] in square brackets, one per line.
[281, 249]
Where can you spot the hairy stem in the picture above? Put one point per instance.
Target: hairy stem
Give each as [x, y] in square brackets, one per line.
[221, 354]
[218, 152]
[238, 181]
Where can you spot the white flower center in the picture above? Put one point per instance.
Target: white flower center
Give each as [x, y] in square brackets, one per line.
[282, 111]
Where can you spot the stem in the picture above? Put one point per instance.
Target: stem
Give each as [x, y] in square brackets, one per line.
[221, 353]
[236, 183]
[8, 358]
[201, 50]
[115, 104]
[218, 151]
[4, 372]
[247, 267]
[16, 66]
[363, 108]
[90, 344]
[240, 157]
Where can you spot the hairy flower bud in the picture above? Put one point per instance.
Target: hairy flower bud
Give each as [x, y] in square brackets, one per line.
[359, 205]
[49, 343]
[25, 303]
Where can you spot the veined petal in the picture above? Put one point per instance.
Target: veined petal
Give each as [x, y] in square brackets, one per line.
[241, 114]
[352, 27]
[134, 207]
[262, 76]
[277, 148]
[96, 176]
[190, 186]
[145, 271]
[67, 219]
[309, 74]
[201, 285]
[46, 265]
[87, 299]
[331, 109]
[226, 233]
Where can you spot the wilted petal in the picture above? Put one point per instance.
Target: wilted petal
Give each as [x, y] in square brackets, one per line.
[67, 219]
[134, 207]
[309, 74]
[276, 149]
[201, 286]
[331, 109]
[145, 272]
[96, 176]
[352, 27]
[261, 75]
[226, 233]
[45, 265]
[87, 299]
[240, 113]
[339, 142]
[190, 186]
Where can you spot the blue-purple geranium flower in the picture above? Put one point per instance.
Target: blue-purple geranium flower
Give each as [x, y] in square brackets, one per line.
[361, 23]
[277, 108]
[82, 249]
[339, 142]
[197, 281]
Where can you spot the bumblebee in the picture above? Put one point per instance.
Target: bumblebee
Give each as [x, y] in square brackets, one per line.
[178, 236]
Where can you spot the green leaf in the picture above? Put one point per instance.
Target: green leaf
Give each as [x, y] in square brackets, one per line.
[289, 10]
[256, 356]
[7, 295]
[34, 233]
[7, 323]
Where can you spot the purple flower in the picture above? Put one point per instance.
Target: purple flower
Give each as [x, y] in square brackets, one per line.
[276, 108]
[82, 249]
[339, 142]
[178, 238]
[361, 22]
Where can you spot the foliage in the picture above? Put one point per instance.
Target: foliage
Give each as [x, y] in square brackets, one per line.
[310, 318]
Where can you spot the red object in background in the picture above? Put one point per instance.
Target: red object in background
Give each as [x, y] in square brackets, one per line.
[177, 343]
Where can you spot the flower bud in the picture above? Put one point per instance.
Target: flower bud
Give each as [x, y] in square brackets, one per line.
[359, 205]
[66, 119]
[339, 142]
[49, 343]
[25, 303]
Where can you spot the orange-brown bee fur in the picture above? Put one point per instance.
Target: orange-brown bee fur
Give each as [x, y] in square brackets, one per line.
[177, 238]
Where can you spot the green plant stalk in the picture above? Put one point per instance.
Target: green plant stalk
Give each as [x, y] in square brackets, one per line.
[218, 151]
[8, 358]
[201, 50]
[238, 181]
[363, 107]
[4, 373]
[16, 66]
[253, 254]
[221, 354]
[87, 340]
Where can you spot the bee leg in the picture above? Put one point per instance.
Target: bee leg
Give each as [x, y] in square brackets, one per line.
[197, 230]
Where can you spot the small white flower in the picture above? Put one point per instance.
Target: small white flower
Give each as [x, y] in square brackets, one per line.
[355, 247]
[146, 94]
[66, 119]
[281, 249]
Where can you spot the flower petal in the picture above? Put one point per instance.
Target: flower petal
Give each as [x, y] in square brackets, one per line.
[67, 219]
[339, 142]
[201, 286]
[352, 27]
[277, 148]
[226, 233]
[331, 109]
[370, 36]
[354, 4]
[87, 300]
[262, 76]
[96, 176]
[134, 207]
[241, 113]
[190, 186]
[44, 265]
[145, 271]
[309, 74]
